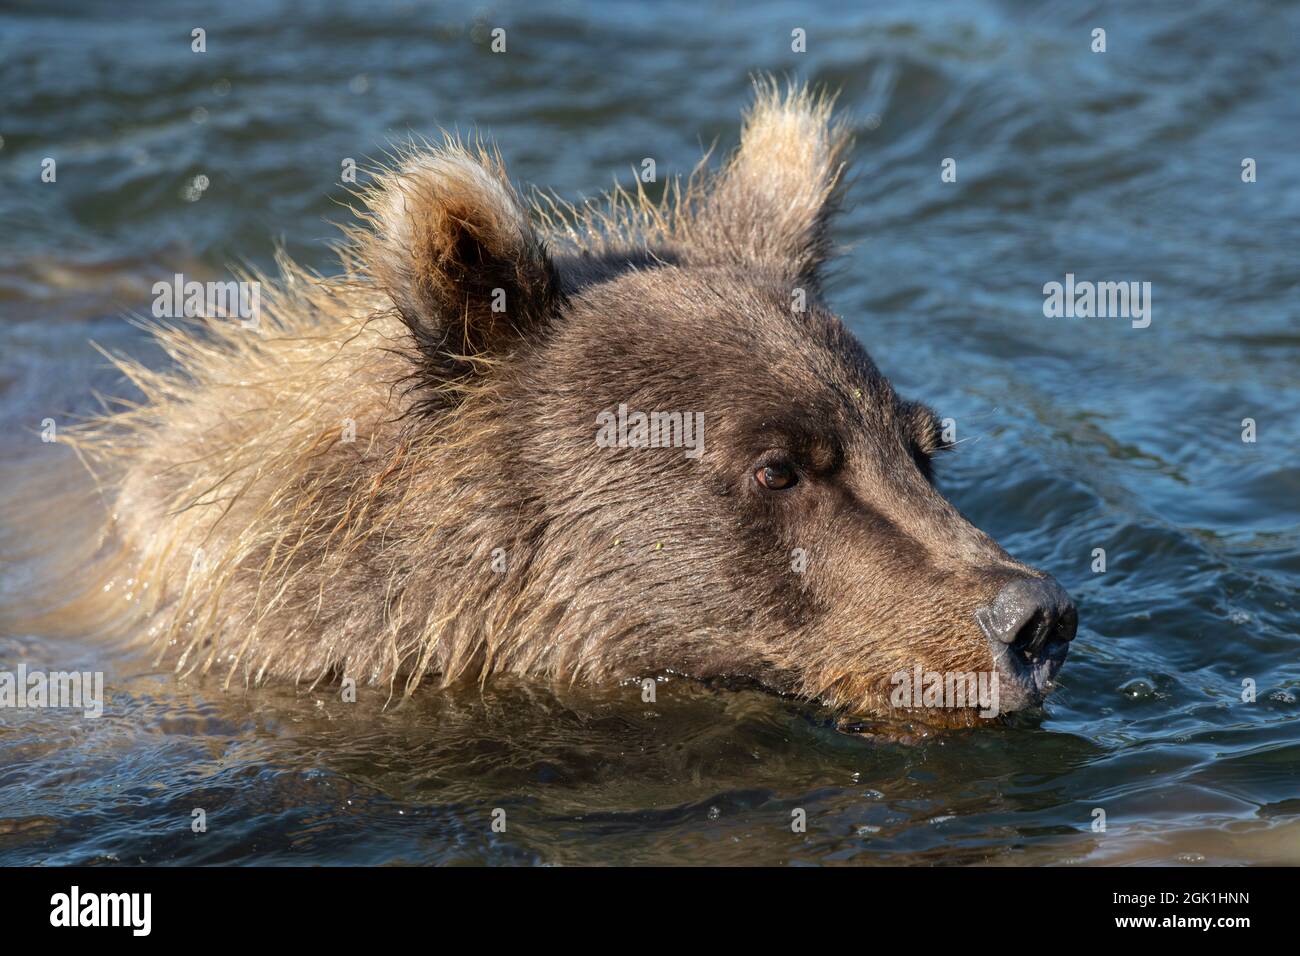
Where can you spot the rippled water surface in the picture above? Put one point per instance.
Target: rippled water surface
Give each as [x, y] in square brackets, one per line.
[1082, 434]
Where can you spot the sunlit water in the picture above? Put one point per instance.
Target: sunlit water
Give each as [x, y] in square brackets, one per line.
[1081, 433]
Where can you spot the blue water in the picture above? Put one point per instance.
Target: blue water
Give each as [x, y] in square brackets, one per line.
[1079, 433]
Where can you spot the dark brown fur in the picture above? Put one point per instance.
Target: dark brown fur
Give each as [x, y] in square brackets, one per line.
[475, 432]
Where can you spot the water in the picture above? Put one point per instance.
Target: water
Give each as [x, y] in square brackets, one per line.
[1083, 434]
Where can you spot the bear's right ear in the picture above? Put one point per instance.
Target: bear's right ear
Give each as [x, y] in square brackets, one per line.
[771, 204]
[453, 247]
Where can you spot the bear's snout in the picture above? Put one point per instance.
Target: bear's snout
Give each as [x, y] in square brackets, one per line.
[1029, 624]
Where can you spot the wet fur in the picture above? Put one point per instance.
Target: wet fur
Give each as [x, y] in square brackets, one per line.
[474, 432]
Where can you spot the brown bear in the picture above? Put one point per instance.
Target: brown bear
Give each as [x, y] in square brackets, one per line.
[572, 443]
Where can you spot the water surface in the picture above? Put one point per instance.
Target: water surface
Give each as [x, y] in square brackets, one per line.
[1077, 434]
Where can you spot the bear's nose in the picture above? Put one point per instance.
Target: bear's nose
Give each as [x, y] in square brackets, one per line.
[1029, 613]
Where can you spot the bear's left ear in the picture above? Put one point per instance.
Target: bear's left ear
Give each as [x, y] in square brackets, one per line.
[454, 248]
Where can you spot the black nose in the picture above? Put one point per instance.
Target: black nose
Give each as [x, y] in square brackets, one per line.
[1029, 613]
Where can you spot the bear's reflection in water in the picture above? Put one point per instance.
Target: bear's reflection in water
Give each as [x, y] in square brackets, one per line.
[699, 774]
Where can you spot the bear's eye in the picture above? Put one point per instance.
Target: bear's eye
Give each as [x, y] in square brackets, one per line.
[777, 476]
